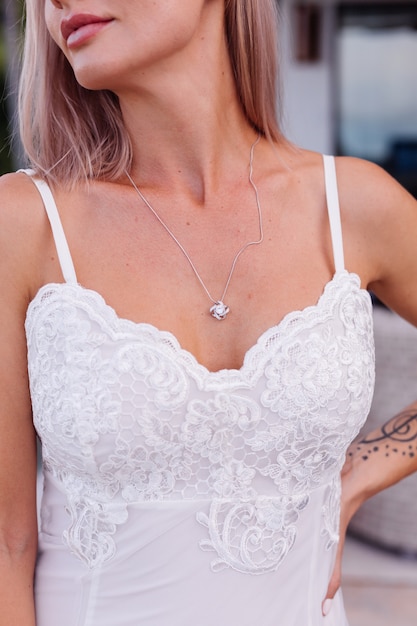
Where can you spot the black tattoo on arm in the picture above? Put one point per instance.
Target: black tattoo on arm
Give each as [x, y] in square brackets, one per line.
[397, 436]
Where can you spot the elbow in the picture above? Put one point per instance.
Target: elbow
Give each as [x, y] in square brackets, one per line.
[18, 543]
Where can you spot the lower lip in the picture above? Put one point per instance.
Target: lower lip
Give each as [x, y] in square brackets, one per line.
[84, 33]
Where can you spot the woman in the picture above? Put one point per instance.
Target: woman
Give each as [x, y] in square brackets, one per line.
[192, 442]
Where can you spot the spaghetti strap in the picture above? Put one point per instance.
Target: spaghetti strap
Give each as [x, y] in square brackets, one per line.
[333, 209]
[61, 244]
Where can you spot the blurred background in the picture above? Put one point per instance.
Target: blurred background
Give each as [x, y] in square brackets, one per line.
[350, 80]
[349, 75]
[10, 45]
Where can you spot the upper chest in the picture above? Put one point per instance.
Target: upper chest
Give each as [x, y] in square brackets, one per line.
[170, 280]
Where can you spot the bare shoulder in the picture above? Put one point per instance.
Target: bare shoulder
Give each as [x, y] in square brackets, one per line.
[374, 203]
[20, 201]
[381, 225]
[360, 182]
[23, 229]
[367, 185]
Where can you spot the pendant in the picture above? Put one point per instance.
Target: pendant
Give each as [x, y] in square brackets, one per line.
[219, 310]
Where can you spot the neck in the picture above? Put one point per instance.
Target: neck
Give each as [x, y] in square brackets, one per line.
[185, 120]
[186, 141]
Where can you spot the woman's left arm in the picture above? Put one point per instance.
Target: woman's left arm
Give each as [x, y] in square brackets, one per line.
[374, 462]
[382, 224]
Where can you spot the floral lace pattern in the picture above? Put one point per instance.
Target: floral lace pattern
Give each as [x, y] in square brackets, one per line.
[252, 537]
[330, 512]
[126, 416]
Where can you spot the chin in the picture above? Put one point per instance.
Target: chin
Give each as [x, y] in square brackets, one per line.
[94, 79]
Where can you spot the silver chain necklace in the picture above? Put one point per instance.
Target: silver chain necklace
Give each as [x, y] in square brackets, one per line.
[219, 310]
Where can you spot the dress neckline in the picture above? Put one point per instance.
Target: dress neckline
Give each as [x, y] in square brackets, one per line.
[168, 339]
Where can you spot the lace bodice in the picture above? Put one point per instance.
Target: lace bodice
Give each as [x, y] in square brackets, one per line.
[126, 415]
[161, 475]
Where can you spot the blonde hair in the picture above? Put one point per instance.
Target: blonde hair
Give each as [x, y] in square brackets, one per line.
[252, 35]
[71, 133]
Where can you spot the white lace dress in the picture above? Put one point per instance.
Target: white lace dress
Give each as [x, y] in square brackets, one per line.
[175, 496]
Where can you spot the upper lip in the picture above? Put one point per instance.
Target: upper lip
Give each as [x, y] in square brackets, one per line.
[71, 24]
